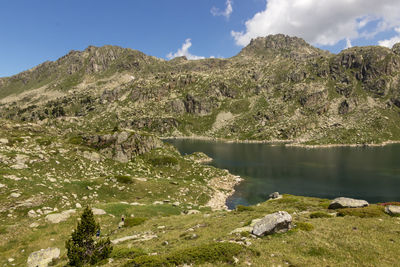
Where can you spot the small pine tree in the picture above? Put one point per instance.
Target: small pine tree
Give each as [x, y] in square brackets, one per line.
[81, 247]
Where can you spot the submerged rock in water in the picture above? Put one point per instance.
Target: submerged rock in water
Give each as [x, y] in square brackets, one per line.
[43, 257]
[344, 202]
[277, 222]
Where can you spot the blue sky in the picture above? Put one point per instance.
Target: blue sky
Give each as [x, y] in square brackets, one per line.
[35, 31]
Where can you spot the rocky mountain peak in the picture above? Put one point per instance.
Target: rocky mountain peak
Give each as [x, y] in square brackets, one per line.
[284, 45]
[396, 49]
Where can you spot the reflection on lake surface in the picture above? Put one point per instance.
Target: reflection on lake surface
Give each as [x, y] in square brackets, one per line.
[371, 173]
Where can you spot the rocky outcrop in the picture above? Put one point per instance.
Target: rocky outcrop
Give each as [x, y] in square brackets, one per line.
[123, 146]
[344, 202]
[59, 217]
[283, 45]
[277, 222]
[43, 257]
[196, 105]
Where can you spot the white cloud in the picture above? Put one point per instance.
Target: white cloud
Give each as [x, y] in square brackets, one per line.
[322, 22]
[184, 51]
[390, 42]
[226, 13]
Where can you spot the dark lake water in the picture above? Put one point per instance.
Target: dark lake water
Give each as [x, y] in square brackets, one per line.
[370, 173]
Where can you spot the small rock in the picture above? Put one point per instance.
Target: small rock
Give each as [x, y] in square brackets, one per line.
[34, 225]
[344, 202]
[242, 230]
[78, 205]
[2, 185]
[392, 210]
[3, 141]
[32, 214]
[176, 204]
[277, 222]
[43, 257]
[10, 259]
[15, 195]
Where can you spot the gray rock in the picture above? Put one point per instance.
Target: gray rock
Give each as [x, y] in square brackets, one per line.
[59, 217]
[93, 156]
[274, 195]
[392, 210]
[344, 202]
[277, 222]
[98, 211]
[43, 257]
[3, 141]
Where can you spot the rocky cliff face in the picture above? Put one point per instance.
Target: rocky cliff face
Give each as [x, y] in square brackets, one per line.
[122, 146]
[278, 87]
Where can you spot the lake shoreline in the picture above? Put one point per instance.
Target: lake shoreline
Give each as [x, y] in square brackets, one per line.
[288, 143]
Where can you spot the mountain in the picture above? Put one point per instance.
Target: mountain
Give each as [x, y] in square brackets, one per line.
[278, 88]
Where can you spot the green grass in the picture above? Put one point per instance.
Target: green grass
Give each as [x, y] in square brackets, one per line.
[320, 214]
[210, 253]
[240, 208]
[366, 212]
[135, 221]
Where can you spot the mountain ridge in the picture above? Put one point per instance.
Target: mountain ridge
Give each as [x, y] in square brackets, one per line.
[277, 88]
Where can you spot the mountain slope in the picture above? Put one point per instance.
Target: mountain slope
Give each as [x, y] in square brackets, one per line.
[276, 88]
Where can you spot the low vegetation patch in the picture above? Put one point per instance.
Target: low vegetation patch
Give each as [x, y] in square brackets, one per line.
[367, 212]
[389, 203]
[163, 161]
[210, 253]
[126, 253]
[130, 222]
[123, 179]
[320, 214]
[241, 208]
[304, 226]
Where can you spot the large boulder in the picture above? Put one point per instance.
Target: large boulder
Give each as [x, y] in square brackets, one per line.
[344, 202]
[43, 257]
[392, 210]
[277, 222]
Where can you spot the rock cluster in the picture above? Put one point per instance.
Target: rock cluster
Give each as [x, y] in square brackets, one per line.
[122, 146]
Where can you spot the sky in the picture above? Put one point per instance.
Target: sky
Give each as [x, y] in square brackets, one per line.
[32, 32]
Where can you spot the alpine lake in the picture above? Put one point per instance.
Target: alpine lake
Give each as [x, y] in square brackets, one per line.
[370, 173]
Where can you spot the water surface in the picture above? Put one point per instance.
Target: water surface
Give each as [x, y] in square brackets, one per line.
[370, 173]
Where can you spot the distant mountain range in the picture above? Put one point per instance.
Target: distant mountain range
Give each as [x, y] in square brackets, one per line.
[276, 88]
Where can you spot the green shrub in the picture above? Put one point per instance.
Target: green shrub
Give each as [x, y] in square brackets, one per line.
[367, 212]
[320, 214]
[43, 142]
[123, 179]
[303, 226]
[76, 140]
[130, 222]
[163, 161]
[241, 208]
[127, 253]
[210, 253]
[81, 247]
